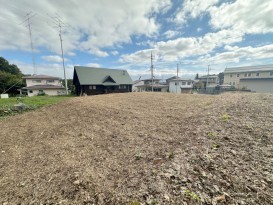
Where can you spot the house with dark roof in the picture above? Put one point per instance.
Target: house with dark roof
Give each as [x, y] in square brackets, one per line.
[43, 84]
[254, 78]
[92, 81]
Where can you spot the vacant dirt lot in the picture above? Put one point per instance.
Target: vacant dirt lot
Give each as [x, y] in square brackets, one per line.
[140, 148]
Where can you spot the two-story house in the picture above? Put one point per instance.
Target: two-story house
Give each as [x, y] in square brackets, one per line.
[254, 78]
[39, 84]
[212, 80]
[180, 85]
[137, 83]
[149, 85]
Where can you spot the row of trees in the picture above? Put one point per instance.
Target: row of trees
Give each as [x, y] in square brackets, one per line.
[10, 77]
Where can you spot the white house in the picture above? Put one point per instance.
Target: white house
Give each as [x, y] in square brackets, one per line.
[180, 85]
[255, 78]
[149, 85]
[136, 83]
[212, 80]
[38, 84]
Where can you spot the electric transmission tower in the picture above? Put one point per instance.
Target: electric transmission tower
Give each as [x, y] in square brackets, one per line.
[29, 16]
[60, 24]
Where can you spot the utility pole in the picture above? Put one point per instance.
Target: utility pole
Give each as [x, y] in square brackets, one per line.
[29, 16]
[208, 77]
[59, 24]
[152, 71]
[177, 70]
[65, 80]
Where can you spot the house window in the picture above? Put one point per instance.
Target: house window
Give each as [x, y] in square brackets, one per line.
[50, 81]
[271, 73]
[30, 91]
[245, 74]
[230, 83]
[238, 75]
[257, 74]
[183, 83]
[233, 83]
[122, 87]
[175, 83]
[36, 81]
[231, 75]
[92, 87]
[249, 75]
[189, 83]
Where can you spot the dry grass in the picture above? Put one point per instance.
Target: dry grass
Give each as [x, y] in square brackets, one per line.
[140, 148]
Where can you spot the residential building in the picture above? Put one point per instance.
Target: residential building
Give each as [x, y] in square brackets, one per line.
[254, 78]
[180, 85]
[136, 83]
[212, 80]
[43, 84]
[150, 85]
[171, 78]
[92, 81]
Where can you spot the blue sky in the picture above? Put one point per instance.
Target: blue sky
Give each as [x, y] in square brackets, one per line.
[122, 34]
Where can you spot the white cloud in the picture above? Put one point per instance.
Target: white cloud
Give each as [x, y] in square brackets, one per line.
[146, 43]
[115, 53]
[98, 52]
[96, 65]
[253, 16]
[193, 9]
[236, 54]
[53, 58]
[141, 56]
[93, 25]
[176, 49]
[171, 33]
[71, 53]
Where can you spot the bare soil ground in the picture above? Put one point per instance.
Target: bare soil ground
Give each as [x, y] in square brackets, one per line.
[140, 148]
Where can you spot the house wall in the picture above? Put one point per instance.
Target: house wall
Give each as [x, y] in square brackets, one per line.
[51, 92]
[149, 89]
[134, 88]
[234, 78]
[259, 86]
[32, 82]
[149, 82]
[172, 86]
[214, 80]
[164, 89]
[101, 89]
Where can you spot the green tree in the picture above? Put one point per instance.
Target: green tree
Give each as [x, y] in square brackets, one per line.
[10, 77]
[196, 76]
[9, 68]
[70, 86]
[10, 83]
[221, 78]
